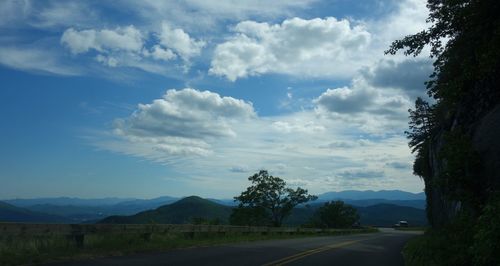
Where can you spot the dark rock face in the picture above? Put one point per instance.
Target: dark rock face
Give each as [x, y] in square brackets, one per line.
[486, 141]
[485, 135]
[440, 208]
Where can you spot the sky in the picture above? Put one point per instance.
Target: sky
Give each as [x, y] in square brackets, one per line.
[151, 98]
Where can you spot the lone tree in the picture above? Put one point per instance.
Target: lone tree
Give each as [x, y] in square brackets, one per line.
[269, 197]
[336, 214]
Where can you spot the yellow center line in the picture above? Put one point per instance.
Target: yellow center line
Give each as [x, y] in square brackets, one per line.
[310, 252]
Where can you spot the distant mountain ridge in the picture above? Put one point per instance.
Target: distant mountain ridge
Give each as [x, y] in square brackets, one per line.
[11, 213]
[370, 194]
[419, 204]
[333, 195]
[185, 210]
[76, 210]
[62, 201]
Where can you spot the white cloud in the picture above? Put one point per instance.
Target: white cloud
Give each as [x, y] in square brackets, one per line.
[316, 48]
[184, 120]
[35, 59]
[347, 100]
[408, 75]
[126, 47]
[209, 14]
[160, 53]
[180, 41]
[127, 39]
[408, 18]
[107, 60]
[296, 46]
[379, 109]
[13, 12]
[63, 13]
[204, 135]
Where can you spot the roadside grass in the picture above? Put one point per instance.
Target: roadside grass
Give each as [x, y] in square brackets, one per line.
[416, 228]
[436, 248]
[48, 248]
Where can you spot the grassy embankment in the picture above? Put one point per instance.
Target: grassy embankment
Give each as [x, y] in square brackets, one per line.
[416, 228]
[37, 249]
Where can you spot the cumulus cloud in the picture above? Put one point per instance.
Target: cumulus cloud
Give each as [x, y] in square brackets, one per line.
[179, 41]
[159, 53]
[360, 97]
[408, 75]
[378, 97]
[127, 38]
[375, 111]
[318, 48]
[184, 120]
[296, 46]
[127, 46]
[347, 100]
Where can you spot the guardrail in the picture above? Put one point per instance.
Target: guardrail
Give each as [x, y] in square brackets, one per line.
[77, 232]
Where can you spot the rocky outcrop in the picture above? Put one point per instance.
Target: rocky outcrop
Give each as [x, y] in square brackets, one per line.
[484, 133]
[486, 141]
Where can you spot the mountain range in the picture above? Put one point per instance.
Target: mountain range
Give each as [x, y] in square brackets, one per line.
[76, 210]
[11, 213]
[188, 209]
[370, 194]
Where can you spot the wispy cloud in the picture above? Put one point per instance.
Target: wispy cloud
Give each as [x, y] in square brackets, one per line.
[36, 60]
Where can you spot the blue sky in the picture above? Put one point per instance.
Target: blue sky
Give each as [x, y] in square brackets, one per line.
[151, 98]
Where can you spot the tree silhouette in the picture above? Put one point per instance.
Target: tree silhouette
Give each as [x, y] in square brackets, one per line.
[269, 193]
[336, 214]
[421, 124]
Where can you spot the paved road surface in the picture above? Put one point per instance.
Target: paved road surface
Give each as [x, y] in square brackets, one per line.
[382, 248]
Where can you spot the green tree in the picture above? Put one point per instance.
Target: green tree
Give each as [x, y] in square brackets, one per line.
[465, 41]
[270, 194]
[421, 124]
[464, 37]
[336, 214]
[253, 216]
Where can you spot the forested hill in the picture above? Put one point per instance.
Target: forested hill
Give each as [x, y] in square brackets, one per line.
[186, 210]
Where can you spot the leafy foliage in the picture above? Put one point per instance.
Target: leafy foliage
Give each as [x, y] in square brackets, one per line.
[465, 241]
[486, 245]
[421, 124]
[271, 194]
[336, 214]
[464, 38]
[252, 216]
[459, 175]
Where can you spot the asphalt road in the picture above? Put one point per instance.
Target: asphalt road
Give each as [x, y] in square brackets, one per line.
[382, 248]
